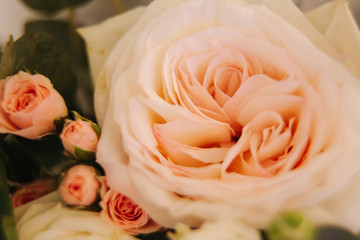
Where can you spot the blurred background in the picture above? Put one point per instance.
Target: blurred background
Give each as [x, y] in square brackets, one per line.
[13, 13]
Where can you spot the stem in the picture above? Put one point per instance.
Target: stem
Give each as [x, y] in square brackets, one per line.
[119, 6]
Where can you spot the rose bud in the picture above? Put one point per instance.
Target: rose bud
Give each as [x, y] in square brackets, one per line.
[121, 211]
[29, 105]
[80, 138]
[80, 186]
[32, 191]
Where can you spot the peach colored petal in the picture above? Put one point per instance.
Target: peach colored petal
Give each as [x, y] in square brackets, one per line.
[282, 64]
[195, 133]
[121, 211]
[29, 105]
[80, 186]
[188, 155]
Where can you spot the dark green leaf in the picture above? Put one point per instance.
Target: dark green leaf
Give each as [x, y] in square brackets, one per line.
[153, 236]
[73, 3]
[49, 151]
[42, 53]
[7, 221]
[46, 6]
[23, 165]
[53, 6]
[75, 46]
[334, 233]
[83, 155]
[7, 60]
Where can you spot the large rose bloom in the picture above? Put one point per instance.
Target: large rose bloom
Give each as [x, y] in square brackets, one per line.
[231, 108]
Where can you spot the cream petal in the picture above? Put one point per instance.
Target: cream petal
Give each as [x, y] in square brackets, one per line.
[340, 29]
[98, 48]
[291, 14]
[162, 192]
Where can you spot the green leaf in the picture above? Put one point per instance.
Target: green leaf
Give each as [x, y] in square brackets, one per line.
[334, 233]
[23, 165]
[83, 155]
[42, 53]
[153, 236]
[7, 221]
[49, 151]
[65, 33]
[7, 59]
[53, 6]
[73, 3]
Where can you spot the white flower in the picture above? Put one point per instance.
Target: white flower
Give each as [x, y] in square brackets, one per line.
[53, 221]
[233, 108]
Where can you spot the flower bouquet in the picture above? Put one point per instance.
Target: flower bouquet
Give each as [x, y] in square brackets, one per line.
[213, 119]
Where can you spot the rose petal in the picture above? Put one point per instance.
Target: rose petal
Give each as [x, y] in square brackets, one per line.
[336, 22]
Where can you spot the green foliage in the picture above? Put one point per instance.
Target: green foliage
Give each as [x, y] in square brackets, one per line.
[23, 165]
[73, 43]
[153, 236]
[334, 233]
[7, 221]
[7, 60]
[53, 6]
[83, 155]
[40, 52]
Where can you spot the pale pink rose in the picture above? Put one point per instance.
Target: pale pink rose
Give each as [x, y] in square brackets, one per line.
[121, 211]
[80, 186]
[225, 108]
[32, 191]
[29, 105]
[79, 134]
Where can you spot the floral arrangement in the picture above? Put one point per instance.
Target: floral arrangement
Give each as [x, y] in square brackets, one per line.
[212, 119]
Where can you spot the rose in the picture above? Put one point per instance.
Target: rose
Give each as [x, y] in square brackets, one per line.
[29, 105]
[80, 185]
[314, 191]
[32, 191]
[218, 229]
[122, 212]
[233, 109]
[79, 138]
[52, 221]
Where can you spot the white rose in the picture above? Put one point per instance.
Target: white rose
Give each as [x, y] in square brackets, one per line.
[233, 108]
[50, 220]
[221, 229]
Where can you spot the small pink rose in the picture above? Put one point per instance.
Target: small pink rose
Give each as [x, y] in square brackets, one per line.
[79, 134]
[121, 211]
[32, 191]
[80, 186]
[29, 105]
